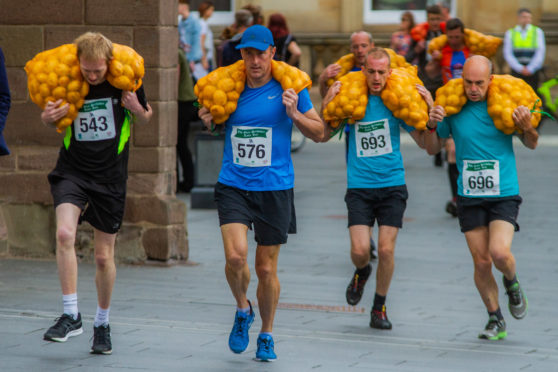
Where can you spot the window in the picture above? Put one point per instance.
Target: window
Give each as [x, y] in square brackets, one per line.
[389, 11]
[223, 14]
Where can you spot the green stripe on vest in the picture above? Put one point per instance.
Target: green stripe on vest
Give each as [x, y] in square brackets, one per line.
[530, 41]
[125, 133]
[68, 137]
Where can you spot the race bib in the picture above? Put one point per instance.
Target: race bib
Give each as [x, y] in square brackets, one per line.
[95, 121]
[372, 138]
[251, 146]
[481, 177]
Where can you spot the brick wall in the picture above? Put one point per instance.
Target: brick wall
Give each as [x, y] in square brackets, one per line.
[154, 224]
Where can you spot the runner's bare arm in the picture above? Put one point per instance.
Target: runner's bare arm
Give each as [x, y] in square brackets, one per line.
[309, 123]
[522, 119]
[131, 103]
[331, 93]
[432, 141]
[329, 72]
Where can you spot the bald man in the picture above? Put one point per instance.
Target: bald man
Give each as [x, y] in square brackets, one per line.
[361, 44]
[488, 192]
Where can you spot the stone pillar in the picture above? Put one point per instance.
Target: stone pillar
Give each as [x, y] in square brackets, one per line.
[155, 220]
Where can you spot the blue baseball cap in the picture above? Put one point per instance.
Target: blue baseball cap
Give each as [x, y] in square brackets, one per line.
[256, 36]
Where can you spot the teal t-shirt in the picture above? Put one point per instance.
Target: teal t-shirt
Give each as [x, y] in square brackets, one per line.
[484, 155]
[374, 159]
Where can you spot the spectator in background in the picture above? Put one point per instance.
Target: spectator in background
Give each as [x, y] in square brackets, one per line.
[189, 34]
[205, 10]
[445, 11]
[287, 48]
[256, 11]
[227, 53]
[401, 40]
[525, 48]
[187, 113]
[5, 102]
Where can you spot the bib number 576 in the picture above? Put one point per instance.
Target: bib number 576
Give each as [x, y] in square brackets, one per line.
[249, 149]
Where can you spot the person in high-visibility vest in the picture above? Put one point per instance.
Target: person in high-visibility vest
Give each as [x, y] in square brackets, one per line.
[525, 48]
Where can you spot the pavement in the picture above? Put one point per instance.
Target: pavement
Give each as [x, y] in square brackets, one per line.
[178, 318]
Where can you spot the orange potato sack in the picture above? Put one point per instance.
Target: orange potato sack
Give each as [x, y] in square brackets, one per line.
[346, 62]
[290, 76]
[482, 44]
[451, 96]
[437, 43]
[402, 98]
[505, 94]
[396, 59]
[220, 90]
[54, 74]
[478, 43]
[126, 68]
[350, 103]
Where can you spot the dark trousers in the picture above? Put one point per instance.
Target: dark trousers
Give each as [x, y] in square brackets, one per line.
[187, 113]
[532, 80]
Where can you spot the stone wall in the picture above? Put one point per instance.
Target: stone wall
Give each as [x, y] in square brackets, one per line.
[155, 221]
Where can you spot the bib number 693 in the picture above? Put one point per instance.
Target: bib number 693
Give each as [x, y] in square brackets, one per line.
[372, 142]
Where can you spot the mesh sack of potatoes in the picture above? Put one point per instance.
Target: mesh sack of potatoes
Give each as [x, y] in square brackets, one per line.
[289, 76]
[350, 103]
[478, 43]
[505, 94]
[451, 96]
[126, 68]
[346, 62]
[220, 90]
[402, 98]
[397, 60]
[54, 74]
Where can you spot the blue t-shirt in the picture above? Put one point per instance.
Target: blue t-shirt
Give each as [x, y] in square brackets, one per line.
[257, 154]
[374, 157]
[484, 154]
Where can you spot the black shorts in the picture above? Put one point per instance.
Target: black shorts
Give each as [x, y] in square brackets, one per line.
[475, 212]
[102, 205]
[386, 204]
[272, 213]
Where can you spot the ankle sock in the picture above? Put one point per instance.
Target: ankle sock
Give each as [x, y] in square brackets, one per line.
[101, 317]
[364, 271]
[71, 305]
[509, 283]
[497, 313]
[245, 310]
[379, 302]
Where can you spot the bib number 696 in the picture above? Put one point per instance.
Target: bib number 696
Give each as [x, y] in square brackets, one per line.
[249, 149]
[480, 182]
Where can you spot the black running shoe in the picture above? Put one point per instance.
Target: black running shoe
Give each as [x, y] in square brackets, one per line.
[64, 328]
[101, 340]
[356, 286]
[379, 319]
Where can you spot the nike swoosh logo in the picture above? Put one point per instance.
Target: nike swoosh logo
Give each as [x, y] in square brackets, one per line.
[271, 97]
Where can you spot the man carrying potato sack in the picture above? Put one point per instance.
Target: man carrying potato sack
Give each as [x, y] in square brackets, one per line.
[488, 192]
[255, 186]
[89, 183]
[376, 189]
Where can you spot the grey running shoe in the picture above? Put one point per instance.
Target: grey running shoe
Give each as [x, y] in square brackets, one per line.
[495, 329]
[517, 301]
[101, 340]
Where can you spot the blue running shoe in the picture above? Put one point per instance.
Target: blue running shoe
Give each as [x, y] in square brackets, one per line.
[265, 351]
[239, 339]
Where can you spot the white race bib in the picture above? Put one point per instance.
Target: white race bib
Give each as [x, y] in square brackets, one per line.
[481, 177]
[372, 138]
[251, 146]
[95, 121]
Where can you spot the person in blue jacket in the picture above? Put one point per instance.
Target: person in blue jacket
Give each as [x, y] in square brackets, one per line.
[488, 191]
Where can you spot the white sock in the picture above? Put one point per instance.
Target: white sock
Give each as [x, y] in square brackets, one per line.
[101, 317]
[245, 310]
[70, 305]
